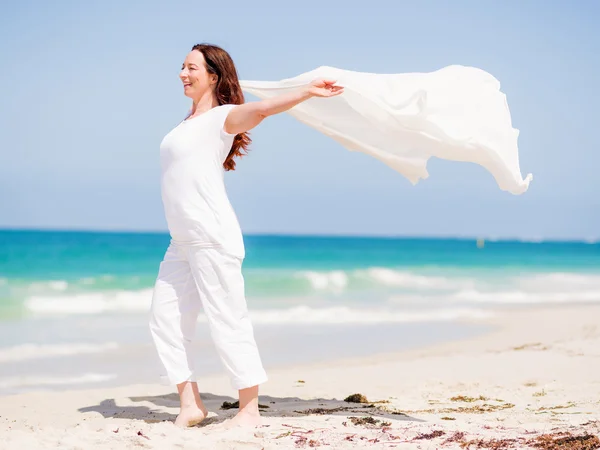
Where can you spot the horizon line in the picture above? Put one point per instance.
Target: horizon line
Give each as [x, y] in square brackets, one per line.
[594, 240]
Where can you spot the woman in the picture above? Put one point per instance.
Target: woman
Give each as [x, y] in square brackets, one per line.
[202, 266]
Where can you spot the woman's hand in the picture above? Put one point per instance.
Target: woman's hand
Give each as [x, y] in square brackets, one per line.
[324, 87]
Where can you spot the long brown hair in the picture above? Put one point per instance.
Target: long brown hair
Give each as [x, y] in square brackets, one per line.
[228, 92]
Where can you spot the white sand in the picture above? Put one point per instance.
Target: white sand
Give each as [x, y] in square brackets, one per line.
[539, 373]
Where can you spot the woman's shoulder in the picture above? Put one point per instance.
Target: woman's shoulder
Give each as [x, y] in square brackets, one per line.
[221, 112]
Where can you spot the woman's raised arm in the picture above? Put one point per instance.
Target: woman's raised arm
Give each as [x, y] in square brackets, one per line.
[244, 117]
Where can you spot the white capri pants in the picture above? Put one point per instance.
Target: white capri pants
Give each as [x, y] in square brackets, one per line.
[192, 278]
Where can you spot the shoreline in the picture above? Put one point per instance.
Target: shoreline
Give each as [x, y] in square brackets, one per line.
[534, 373]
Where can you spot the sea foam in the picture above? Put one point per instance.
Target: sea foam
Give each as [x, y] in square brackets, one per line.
[374, 290]
[29, 351]
[39, 381]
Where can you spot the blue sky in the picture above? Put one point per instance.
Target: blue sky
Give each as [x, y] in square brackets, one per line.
[90, 88]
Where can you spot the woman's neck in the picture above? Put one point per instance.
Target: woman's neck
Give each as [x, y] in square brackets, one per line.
[203, 104]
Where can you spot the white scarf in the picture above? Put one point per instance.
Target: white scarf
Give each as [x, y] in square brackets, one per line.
[456, 113]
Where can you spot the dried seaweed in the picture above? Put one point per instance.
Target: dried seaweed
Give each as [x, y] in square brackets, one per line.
[552, 441]
[534, 346]
[432, 435]
[566, 441]
[552, 408]
[475, 409]
[464, 398]
[236, 404]
[492, 444]
[364, 420]
[356, 398]
[321, 411]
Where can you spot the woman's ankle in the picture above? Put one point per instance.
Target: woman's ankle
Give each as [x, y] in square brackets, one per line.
[249, 399]
[189, 397]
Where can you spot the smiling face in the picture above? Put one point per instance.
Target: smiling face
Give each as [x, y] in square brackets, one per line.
[197, 81]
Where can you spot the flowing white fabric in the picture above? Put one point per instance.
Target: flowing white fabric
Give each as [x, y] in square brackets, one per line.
[456, 113]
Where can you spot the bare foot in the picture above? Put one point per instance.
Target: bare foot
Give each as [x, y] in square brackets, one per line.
[190, 416]
[244, 419]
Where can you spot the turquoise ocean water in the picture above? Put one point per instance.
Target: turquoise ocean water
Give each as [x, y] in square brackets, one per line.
[64, 273]
[83, 297]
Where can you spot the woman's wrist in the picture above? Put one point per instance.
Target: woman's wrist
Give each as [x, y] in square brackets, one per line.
[307, 92]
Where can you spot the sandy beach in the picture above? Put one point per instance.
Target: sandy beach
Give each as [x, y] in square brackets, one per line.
[532, 382]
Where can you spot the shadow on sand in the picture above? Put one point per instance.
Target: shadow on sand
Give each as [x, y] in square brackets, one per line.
[156, 411]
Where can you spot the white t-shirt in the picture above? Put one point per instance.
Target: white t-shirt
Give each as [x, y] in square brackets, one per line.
[195, 201]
